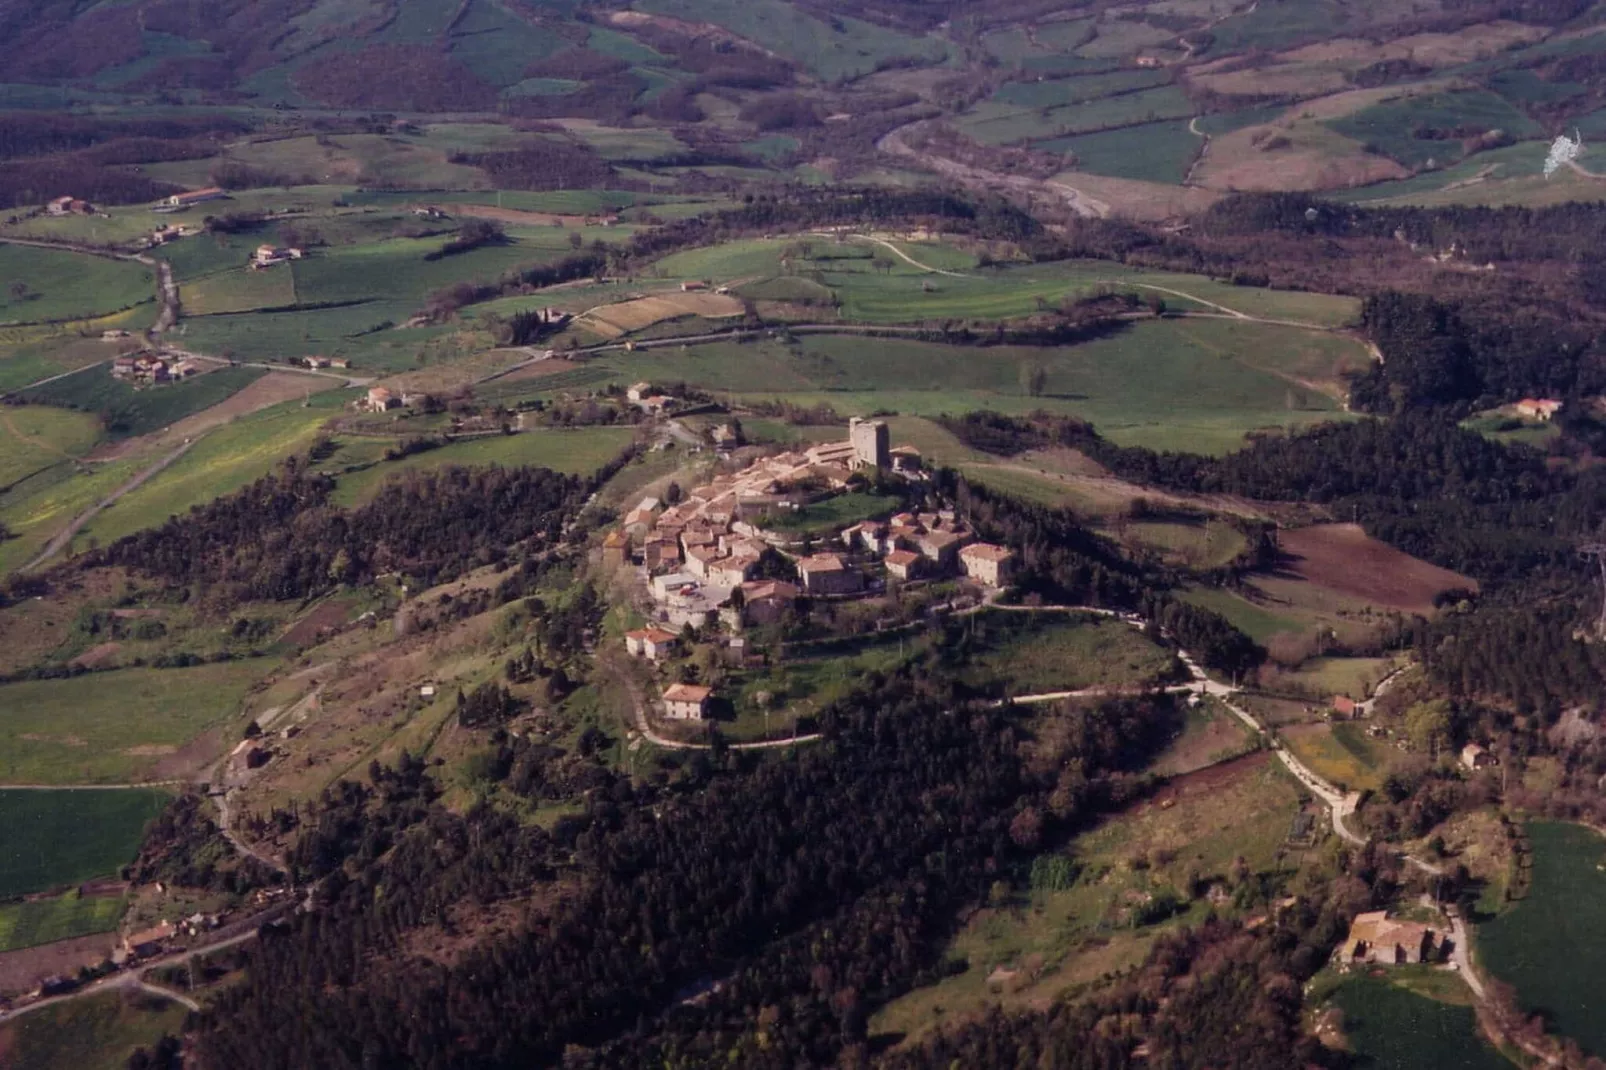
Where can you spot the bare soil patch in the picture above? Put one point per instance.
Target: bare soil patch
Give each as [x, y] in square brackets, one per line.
[1266, 158]
[1343, 558]
[150, 750]
[1210, 779]
[192, 759]
[23, 970]
[98, 654]
[32, 628]
[271, 389]
[1202, 745]
[541, 369]
[326, 617]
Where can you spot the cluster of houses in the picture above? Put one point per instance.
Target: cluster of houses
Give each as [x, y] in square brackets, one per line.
[150, 368]
[268, 255]
[378, 398]
[316, 362]
[641, 395]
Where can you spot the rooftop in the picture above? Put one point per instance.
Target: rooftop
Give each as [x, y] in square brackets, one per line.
[987, 552]
[686, 693]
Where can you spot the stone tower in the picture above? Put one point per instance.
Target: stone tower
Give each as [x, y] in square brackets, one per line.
[870, 440]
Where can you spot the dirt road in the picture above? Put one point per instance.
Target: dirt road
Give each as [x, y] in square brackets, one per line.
[897, 144]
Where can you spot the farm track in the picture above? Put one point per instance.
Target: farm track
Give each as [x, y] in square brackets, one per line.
[894, 144]
[65, 535]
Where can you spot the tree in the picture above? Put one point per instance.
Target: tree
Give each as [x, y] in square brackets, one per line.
[1428, 725]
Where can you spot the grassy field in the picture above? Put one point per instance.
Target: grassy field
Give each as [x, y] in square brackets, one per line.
[224, 461]
[833, 514]
[129, 411]
[34, 437]
[44, 503]
[115, 726]
[1258, 622]
[239, 290]
[94, 1033]
[993, 123]
[1077, 89]
[1049, 940]
[1342, 753]
[44, 921]
[66, 837]
[1153, 152]
[57, 286]
[1390, 1028]
[1390, 127]
[1034, 653]
[1355, 677]
[580, 451]
[1203, 545]
[1550, 944]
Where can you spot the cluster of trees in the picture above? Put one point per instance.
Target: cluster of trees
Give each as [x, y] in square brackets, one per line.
[446, 301]
[473, 234]
[184, 847]
[414, 78]
[818, 886]
[279, 538]
[555, 164]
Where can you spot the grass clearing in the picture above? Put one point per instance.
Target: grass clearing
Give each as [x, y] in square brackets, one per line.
[114, 727]
[1153, 152]
[1203, 545]
[57, 286]
[44, 921]
[34, 437]
[1048, 941]
[1342, 753]
[1550, 944]
[67, 837]
[1392, 128]
[97, 1032]
[1036, 653]
[241, 290]
[823, 518]
[580, 451]
[994, 123]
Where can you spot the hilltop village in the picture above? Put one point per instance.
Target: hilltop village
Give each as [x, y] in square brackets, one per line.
[722, 556]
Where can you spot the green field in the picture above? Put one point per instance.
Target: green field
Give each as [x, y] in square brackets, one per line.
[1259, 623]
[1550, 945]
[34, 437]
[57, 286]
[1037, 653]
[58, 838]
[129, 411]
[994, 123]
[239, 290]
[1153, 152]
[94, 1033]
[225, 460]
[44, 921]
[112, 727]
[832, 515]
[46, 502]
[844, 49]
[580, 452]
[1390, 1028]
[1050, 93]
[1389, 128]
[1342, 753]
[1203, 545]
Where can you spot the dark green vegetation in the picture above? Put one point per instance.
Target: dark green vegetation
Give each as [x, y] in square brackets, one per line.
[126, 410]
[57, 838]
[1391, 1028]
[1548, 945]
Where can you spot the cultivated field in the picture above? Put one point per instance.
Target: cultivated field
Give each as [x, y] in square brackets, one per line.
[120, 726]
[52, 286]
[1342, 753]
[34, 437]
[59, 838]
[626, 317]
[129, 411]
[1342, 558]
[65, 917]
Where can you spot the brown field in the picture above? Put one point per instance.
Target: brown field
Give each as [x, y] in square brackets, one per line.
[1136, 199]
[1314, 158]
[1302, 78]
[22, 970]
[1344, 559]
[1211, 733]
[1428, 49]
[1205, 781]
[272, 389]
[327, 617]
[614, 320]
[541, 369]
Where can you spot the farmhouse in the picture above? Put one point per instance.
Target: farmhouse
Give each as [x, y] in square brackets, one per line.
[142, 367]
[268, 255]
[1343, 706]
[195, 196]
[826, 574]
[987, 563]
[114, 335]
[654, 644]
[1376, 938]
[1476, 756]
[686, 702]
[692, 286]
[149, 941]
[1538, 408]
[637, 391]
[380, 398]
[69, 206]
[941, 547]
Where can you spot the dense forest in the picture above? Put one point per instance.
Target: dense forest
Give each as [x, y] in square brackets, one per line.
[817, 885]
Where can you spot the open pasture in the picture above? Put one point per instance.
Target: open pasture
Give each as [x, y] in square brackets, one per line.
[1077, 89]
[1152, 152]
[365, 333]
[114, 727]
[1396, 128]
[54, 286]
[627, 317]
[60, 838]
[1036, 653]
[64, 917]
[1392, 1028]
[1550, 945]
[98, 1032]
[34, 437]
[994, 123]
[239, 290]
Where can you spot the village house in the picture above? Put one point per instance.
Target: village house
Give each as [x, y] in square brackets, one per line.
[906, 460]
[639, 520]
[941, 547]
[149, 941]
[339, 362]
[1378, 939]
[59, 206]
[763, 602]
[693, 285]
[661, 551]
[1476, 756]
[142, 367]
[699, 558]
[686, 702]
[654, 644]
[903, 564]
[734, 570]
[636, 391]
[1343, 706]
[185, 369]
[380, 398]
[989, 564]
[317, 362]
[195, 196]
[826, 574]
[1538, 408]
[615, 549]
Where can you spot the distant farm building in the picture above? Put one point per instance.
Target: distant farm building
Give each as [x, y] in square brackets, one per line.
[268, 255]
[69, 206]
[692, 286]
[380, 399]
[195, 196]
[1343, 706]
[1538, 408]
[686, 702]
